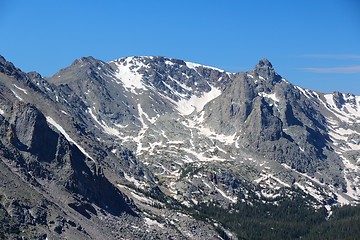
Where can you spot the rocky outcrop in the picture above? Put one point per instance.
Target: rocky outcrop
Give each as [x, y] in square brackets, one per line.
[44, 155]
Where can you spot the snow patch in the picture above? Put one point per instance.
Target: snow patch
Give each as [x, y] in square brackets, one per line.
[149, 222]
[141, 112]
[133, 180]
[341, 200]
[271, 96]
[17, 96]
[128, 75]
[167, 62]
[346, 114]
[196, 65]
[250, 76]
[206, 184]
[340, 137]
[304, 175]
[107, 129]
[2, 111]
[187, 106]
[328, 209]
[330, 100]
[142, 199]
[311, 191]
[351, 191]
[180, 84]
[63, 132]
[227, 139]
[201, 156]
[303, 91]
[232, 199]
[265, 178]
[205, 131]
[357, 100]
[140, 136]
[64, 112]
[21, 89]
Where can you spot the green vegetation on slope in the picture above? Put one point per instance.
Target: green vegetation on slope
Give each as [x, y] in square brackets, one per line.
[287, 219]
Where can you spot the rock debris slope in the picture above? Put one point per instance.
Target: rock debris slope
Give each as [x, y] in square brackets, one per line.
[141, 141]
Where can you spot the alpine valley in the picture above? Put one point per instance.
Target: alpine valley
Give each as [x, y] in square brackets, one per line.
[160, 148]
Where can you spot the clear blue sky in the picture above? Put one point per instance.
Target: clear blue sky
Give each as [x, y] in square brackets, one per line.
[314, 44]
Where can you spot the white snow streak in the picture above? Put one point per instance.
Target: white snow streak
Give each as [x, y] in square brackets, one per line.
[196, 65]
[201, 156]
[107, 129]
[149, 222]
[63, 132]
[250, 76]
[304, 175]
[133, 180]
[311, 191]
[17, 96]
[144, 128]
[304, 92]
[232, 199]
[142, 199]
[21, 89]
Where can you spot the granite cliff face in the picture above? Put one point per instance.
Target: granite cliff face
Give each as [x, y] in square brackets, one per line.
[147, 139]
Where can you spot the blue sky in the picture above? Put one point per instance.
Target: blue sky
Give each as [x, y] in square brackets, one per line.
[314, 44]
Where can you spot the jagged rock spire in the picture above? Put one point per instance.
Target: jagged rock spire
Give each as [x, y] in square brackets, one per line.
[265, 69]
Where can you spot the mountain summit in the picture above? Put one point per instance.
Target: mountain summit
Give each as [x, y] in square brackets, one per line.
[265, 70]
[264, 63]
[153, 147]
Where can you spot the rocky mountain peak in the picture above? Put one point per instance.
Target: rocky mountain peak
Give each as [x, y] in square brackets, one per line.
[85, 64]
[6, 67]
[84, 60]
[34, 75]
[2, 60]
[264, 63]
[83, 69]
[264, 69]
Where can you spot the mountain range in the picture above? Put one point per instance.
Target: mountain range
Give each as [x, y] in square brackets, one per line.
[158, 148]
